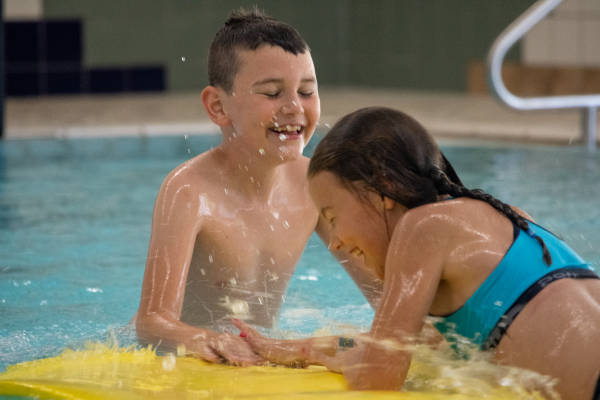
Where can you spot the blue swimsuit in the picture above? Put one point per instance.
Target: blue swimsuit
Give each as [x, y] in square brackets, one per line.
[521, 274]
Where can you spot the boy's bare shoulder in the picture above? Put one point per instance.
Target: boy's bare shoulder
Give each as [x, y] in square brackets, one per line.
[191, 176]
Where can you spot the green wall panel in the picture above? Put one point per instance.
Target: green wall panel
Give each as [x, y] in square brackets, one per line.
[417, 44]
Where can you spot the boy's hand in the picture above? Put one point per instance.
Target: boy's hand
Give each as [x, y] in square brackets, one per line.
[226, 348]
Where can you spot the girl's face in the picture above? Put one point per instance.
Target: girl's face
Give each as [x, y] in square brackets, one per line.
[356, 226]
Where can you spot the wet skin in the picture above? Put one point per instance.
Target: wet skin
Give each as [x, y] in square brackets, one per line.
[435, 258]
[230, 225]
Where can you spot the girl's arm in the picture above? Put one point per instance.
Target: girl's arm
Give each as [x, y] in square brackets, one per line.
[295, 353]
[379, 359]
[413, 271]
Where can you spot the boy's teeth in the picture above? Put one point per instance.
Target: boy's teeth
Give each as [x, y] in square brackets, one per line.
[287, 128]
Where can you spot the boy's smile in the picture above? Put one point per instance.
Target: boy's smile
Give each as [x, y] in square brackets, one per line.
[274, 105]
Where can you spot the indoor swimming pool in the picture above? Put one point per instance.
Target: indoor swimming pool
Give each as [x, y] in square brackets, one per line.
[75, 223]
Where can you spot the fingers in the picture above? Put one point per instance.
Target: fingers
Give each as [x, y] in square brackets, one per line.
[207, 354]
[243, 327]
[235, 350]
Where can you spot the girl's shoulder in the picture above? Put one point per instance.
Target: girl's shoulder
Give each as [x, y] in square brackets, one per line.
[453, 216]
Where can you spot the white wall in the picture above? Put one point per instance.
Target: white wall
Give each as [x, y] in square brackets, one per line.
[569, 36]
[23, 10]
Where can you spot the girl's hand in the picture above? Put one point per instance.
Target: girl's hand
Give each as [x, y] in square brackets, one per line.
[287, 352]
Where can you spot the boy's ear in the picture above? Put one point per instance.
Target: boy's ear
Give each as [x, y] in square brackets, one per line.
[213, 104]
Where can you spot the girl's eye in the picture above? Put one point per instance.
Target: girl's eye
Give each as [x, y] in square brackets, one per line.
[306, 94]
[272, 94]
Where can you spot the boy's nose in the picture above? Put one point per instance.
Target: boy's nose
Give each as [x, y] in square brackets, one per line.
[292, 106]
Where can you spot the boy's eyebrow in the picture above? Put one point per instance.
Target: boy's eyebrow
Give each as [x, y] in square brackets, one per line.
[280, 80]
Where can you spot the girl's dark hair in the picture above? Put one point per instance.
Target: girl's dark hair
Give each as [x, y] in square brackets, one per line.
[247, 30]
[393, 155]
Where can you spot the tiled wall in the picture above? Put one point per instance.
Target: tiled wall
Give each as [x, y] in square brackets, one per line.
[45, 56]
[569, 36]
[416, 44]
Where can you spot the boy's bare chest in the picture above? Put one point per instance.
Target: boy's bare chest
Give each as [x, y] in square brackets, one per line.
[248, 242]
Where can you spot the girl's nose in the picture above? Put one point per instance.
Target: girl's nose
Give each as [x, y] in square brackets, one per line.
[335, 243]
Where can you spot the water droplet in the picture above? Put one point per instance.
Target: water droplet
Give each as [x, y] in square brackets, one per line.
[272, 261]
[294, 102]
[168, 362]
[210, 258]
[272, 228]
[234, 134]
[275, 124]
[327, 126]
[202, 272]
[286, 224]
[275, 214]
[246, 168]
[43, 302]
[282, 137]
[226, 191]
[252, 179]
[261, 151]
[233, 94]
[183, 59]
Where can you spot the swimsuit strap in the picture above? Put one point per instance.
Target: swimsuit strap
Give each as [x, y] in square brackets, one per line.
[509, 316]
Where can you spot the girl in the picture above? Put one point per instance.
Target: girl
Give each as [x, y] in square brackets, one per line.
[392, 201]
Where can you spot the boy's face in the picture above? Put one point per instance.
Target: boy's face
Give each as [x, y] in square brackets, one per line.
[274, 106]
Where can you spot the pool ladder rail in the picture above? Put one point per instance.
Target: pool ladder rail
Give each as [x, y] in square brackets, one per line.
[515, 31]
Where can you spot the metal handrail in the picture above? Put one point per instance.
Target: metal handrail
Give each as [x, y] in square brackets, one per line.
[515, 31]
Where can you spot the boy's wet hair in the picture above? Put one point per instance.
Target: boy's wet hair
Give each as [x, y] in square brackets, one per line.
[247, 30]
[392, 155]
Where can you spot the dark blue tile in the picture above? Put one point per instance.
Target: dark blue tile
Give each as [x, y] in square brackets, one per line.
[22, 42]
[22, 84]
[69, 82]
[146, 79]
[63, 41]
[106, 80]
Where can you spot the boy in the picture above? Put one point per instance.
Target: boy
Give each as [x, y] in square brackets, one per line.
[230, 224]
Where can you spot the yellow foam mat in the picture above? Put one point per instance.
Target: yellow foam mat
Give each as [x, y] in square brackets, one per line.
[101, 372]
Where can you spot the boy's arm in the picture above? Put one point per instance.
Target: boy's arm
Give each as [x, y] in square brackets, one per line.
[175, 225]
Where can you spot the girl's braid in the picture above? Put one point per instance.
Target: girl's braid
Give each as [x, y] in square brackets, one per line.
[445, 186]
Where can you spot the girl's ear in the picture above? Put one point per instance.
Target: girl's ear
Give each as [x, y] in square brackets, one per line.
[212, 98]
[388, 203]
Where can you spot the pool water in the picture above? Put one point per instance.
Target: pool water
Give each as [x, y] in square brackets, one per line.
[75, 223]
